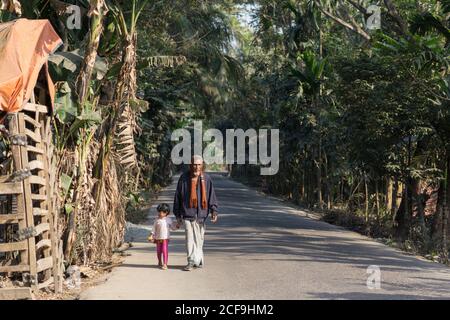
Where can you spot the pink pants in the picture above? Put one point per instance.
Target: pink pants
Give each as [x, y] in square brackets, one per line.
[162, 248]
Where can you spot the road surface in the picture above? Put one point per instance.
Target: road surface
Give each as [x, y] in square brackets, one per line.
[263, 248]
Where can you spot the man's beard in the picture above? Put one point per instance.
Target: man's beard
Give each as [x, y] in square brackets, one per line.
[196, 174]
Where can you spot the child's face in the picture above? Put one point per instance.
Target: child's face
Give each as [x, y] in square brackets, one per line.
[162, 214]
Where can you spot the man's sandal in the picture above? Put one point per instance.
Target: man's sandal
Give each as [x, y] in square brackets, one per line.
[189, 267]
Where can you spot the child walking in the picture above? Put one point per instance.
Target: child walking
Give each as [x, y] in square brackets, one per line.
[161, 234]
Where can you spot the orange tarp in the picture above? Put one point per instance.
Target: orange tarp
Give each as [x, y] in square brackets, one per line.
[24, 48]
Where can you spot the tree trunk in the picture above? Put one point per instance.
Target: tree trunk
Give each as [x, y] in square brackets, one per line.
[302, 186]
[404, 215]
[327, 181]
[377, 200]
[319, 175]
[305, 184]
[446, 211]
[389, 194]
[366, 198]
[411, 197]
[436, 231]
[398, 195]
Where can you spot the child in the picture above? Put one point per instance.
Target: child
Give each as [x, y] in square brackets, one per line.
[161, 234]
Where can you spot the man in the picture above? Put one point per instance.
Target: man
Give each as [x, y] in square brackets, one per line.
[194, 200]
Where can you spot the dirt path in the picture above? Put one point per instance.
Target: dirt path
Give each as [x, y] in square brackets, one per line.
[264, 249]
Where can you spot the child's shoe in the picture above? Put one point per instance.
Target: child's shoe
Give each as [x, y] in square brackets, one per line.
[164, 267]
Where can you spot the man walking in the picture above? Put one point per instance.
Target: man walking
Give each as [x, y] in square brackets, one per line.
[194, 200]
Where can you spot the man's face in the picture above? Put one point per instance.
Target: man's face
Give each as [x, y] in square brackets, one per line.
[197, 165]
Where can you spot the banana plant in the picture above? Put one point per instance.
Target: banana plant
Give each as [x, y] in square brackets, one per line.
[121, 123]
[123, 115]
[310, 75]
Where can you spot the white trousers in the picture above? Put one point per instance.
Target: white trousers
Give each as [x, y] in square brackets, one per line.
[195, 236]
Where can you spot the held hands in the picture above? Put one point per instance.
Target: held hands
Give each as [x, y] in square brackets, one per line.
[179, 222]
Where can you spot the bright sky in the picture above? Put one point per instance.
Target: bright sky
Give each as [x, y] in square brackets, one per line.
[245, 15]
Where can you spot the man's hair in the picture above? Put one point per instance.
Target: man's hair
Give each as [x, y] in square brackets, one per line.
[164, 207]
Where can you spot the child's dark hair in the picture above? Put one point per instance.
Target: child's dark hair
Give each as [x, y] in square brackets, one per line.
[164, 207]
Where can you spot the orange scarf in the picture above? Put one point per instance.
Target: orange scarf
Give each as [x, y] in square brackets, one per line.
[193, 194]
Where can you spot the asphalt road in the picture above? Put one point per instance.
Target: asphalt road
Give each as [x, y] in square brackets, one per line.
[263, 248]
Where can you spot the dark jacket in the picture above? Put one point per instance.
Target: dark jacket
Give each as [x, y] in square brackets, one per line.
[181, 201]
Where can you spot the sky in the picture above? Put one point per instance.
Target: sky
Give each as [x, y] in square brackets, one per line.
[245, 15]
